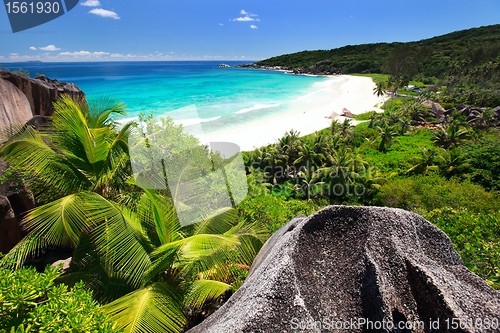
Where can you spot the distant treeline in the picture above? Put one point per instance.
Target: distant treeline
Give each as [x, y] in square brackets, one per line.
[470, 48]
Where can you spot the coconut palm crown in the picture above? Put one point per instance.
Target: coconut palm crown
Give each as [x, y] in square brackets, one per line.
[136, 256]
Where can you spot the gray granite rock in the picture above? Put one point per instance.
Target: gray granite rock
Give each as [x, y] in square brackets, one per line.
[10, 230]
[42, 92]
[14, 106]
[437, 110]
[345, 266]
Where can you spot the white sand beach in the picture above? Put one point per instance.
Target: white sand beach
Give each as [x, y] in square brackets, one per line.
[355, 93]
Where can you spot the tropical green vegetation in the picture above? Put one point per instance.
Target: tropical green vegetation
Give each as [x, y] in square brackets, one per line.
[478, 45]
[399, 158]
[129, 247]
[31, 302]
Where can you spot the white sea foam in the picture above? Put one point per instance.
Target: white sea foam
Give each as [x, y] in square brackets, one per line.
[321, 86]
[194, 121]
[126, 120]
[308, 96]
[258, 107]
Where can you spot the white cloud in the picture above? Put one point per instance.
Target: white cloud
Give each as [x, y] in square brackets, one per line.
[248, 17]
[91, 3]
[50, 48]
[14, 54]
[104, 13]
[253, 26]
[79, 53]
[244, 12]
[244, 19]
[221, 24]
[33, 48]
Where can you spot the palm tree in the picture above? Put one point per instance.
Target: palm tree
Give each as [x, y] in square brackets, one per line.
[81, 151]
[320, 141]
[403, 81]
[380, 89]
[288, 146]
[370, 179]
[485, 120]
[414, 109]
[340, 170]
[309, 156]
[391, 83]
[386, 135]
[373, 117]
[334, 127]
[273, 157]
[308, 178]
[358, 160]
[405, 125]
[346, 128]
[426, 162]
[451, 161]
[336, 143]
[451, 136]
[138, 256]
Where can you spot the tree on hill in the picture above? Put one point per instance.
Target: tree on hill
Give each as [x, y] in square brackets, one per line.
[402, 61]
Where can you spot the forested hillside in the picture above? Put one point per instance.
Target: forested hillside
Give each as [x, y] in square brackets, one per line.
[437, 55]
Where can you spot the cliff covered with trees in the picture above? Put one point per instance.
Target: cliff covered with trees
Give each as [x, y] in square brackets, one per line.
[437, 55]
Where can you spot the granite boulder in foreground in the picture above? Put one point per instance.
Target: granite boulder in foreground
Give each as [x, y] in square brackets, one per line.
[346, 268]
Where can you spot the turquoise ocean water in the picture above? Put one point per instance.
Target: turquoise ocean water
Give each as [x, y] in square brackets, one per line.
[222, 97]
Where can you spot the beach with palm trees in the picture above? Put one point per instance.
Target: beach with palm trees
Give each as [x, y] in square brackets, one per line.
[354, 93]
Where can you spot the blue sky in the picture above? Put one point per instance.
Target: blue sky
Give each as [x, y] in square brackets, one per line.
[107, 30]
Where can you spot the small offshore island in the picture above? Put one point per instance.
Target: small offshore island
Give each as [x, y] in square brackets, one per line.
[375, 210]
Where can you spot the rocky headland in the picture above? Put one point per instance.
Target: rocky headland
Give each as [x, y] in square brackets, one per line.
[321, 68]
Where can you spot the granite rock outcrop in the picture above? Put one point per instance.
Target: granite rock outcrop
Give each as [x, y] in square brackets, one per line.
[343, 268]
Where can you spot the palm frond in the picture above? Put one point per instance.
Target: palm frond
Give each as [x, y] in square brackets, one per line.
[29, 246]
[218, 224]
[156, 308]
[63, 221]
[102, 106]
[29, 152]
[202, 290]
[121, 240]
[159, 211]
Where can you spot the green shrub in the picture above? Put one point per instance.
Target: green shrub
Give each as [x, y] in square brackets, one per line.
[31, 302]
[398, 158]
[448, 106]
[363, 116]
[274, 211]
[426, 193]
[484, 160]
[366, 133]
[476, 237]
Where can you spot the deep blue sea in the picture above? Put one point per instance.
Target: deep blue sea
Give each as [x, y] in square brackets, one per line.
[222, 97]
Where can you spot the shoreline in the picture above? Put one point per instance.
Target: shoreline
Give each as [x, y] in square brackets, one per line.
[354, 93]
